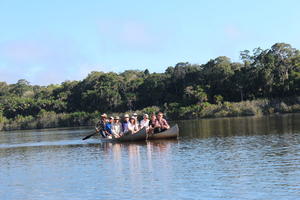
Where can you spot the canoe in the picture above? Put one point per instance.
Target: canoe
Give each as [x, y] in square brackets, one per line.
[172, 132]
[140, 135]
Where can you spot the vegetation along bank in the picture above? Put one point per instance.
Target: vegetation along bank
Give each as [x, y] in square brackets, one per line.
[264, 82]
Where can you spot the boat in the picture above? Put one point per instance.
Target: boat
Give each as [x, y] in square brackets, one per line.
[138, 136]
[141, 135]
[172, 132]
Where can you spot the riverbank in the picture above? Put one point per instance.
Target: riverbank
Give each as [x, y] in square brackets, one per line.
[173, 111]
[236, 109]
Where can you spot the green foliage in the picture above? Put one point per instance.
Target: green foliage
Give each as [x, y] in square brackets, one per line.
[218, 99]
[14, 106]
[195, 94]
[150, 110]
[3, 120]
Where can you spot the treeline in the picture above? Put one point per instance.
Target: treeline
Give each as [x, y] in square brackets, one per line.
[185, 90]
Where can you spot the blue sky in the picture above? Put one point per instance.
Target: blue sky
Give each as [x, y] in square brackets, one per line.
[51, 41]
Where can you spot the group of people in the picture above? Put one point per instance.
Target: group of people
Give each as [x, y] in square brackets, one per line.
[112, 127]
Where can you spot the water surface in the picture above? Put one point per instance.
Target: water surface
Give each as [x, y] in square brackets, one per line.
[228, 158]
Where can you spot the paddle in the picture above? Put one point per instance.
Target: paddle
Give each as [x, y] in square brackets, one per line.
[87, 137]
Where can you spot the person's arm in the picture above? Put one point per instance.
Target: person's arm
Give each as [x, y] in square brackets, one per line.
[165, 124]
[98, 127]
[136, 127]
[130, 127]
[120, 131]
[141, 125]
[150, 123]
[107, 129]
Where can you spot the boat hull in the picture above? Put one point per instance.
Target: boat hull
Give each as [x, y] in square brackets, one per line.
[140, 135]
[172, 132]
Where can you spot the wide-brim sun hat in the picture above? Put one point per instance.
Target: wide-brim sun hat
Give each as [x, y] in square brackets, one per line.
[104, 115]
[126, 116]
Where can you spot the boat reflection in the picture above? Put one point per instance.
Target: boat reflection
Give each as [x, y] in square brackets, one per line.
[130, 163]
[134, 154]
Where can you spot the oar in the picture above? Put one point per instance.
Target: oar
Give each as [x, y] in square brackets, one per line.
[87, 137]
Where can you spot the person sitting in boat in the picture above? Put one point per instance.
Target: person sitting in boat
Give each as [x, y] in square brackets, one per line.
[116, 128]
[162, 123]
[125, 124]
[153, 125]
[101, 126]
[108, 127]
[145, 122]
[135, 115]
[133, 126]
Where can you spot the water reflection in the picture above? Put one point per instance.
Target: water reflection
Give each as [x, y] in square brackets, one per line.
[224, 127]
[138, 166]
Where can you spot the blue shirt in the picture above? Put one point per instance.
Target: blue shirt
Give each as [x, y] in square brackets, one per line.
[125, 127]
[108, 127]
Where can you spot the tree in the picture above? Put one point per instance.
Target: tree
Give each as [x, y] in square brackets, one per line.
[4, 89]
[21, 87]
[195, 94]
[217, 75]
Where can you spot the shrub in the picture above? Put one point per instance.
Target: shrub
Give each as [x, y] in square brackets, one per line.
[218, 99]
[3, 120]
[149, 110]
[295, 108]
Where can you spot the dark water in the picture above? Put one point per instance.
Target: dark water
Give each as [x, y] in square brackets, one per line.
[231, 158]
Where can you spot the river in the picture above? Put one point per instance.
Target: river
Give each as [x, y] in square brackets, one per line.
[227, 158]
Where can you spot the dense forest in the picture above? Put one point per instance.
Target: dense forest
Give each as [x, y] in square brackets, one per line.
[265, 81]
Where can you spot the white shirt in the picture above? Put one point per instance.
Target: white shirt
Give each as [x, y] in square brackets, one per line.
[144, 123]
[116, 128]
[133, 127]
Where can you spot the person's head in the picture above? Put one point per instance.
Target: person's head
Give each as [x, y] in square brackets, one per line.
[135, 115]
[103, 116]
[111, 119]
[126, 117]
[145, 116]
[153, 117]
[117, 118]
[160, 115]
[132, 120]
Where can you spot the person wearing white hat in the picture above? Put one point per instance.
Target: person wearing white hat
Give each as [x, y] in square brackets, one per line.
[116, 127]
[108, 127]
[145, 121]
[133, 125]
[101, 126]
[125, 124]
[135, 115]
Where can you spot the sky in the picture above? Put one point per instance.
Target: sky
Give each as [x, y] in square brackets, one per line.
[52, 41]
